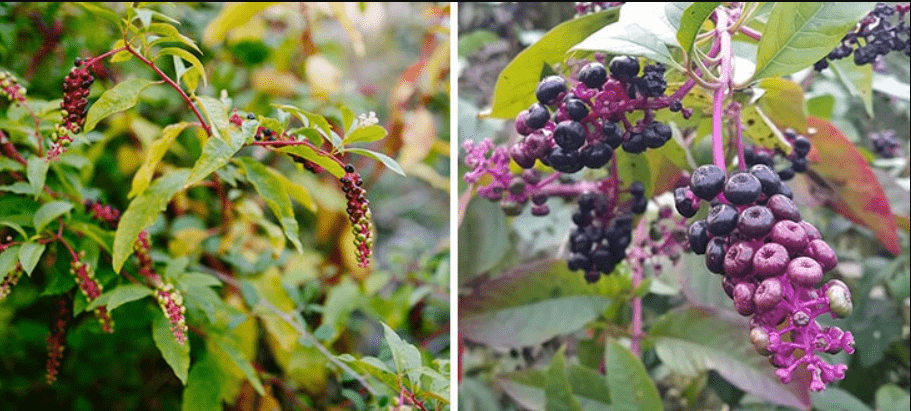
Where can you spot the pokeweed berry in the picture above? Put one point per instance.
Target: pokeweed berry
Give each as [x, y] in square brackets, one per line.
[565, 161]
[804, 271]
[624, 68]
[635, 143]
[536, 117]
[56, 339]
[91, 289]
[769, 180]
[742, 188]
[722, 219]
[74, 108]
[576, 109]
[770, 260]
[569, 135]
[685, 202]
[171, 302]
[714, 255]
[613, 135]
[698, 236]
[549, 88]
[593, 75]
[707, 181]
[10, 88]
[756, 221]
[10, 280]
[597, 155]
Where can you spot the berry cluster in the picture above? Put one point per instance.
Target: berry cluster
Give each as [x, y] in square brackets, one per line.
[104, 213]
[589, 118]
[796, 161]
[358, 209]
[10, 88]
[169, 298]
[74, 107]
[56, 340]
[874, 36]
[91, 289]
[885, 145]
[771, 261]
[10, 281]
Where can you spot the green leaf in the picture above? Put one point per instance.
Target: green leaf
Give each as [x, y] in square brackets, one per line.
[308, 153]
[783, 103]
[98, 10]
[8, 164]
[857, 79]
[186, 55]
[469, 43]
[204, 385]
[532, 304]
[406, 357]
[216, 112]
[515, 86]
[237, 357]
[14, 226]
[120, 296]
[484, 238]
[367, 134]
[49, 211]
[232, 15]
[8, 260]
[527, 388]
[119, 98]
[762, 131]
[799, 34]
[296, 191]
[37, 174]
[891, 397]
[143, 211]
[19, 187]
[837, 399]
[309, 119]
[271, 189]
[215, 154]
[691, 19]
[29, 255]
[347, 118]
[558, 394]
[386, 160]
[630, 386]
[155, 153]
[691, 342]
[104, 238]
[170, 33]
[175, 354]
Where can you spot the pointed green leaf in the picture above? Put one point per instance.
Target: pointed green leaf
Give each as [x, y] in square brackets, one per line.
[143, 211]
[37, 174]
[216, 112]
[215, 154]
[175, 354]
[170, 33]
[367, 134]
[186, 55]
[120, 296]
[386, 160]
[783, 103]
[237, 357]
[308, 153]
[527, 388]
[309, 119]
[8, 260]
[19, 187]
[29, 255]
[515, 88]
[631, 388]
[270, 188]
[857, 79]
[799, 34]
[407, 358]
[119, 98]
[8, 164]
[48, 212]
[691, 19]
[558, 394]
[629, 39]
[156, 152]
[103, 237]
[296, 191]
[204, 385]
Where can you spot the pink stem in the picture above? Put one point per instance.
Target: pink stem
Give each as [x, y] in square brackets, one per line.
[724, 41]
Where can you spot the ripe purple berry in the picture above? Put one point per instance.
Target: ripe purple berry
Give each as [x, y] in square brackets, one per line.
[576, 109]
[768, 178]
[756, 221]
[722, 219]
[597, 155]
[570, 135]
[742, 188]
[804, 271]
[698, 235]
[743, 298]
[707, 181]
[686, 202]
[820, 251]
[624, 68]
[593, 75]
[537, 116]
[549, 88]
[714, 255]
[789, 234]
[783, 207]
[613, 134]
[770, 260]
[739, 259]
[768, 294]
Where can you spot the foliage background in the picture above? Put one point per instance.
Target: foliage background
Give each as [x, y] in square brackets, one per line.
[391, 59]
[514, 375]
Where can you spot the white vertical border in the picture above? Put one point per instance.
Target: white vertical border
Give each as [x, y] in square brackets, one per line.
[453, 206]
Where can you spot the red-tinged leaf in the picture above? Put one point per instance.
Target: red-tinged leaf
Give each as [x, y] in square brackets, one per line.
[858, 194]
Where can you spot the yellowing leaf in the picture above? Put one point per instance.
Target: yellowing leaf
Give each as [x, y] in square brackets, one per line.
[418, 137]
[783, 102]
[231, 16]
[156, 152]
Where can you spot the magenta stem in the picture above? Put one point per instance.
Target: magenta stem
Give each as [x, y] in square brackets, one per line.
[723, 40]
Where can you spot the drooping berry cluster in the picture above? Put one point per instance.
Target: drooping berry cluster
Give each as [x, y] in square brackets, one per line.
[91, 289]
[771, 261]
[885, 145]
[10, 88]
[169, 298]
[788, 165]
[104, 213]
[74, 107]
[358, 209]
[10, 281]
[56, 340]
[874, 36]
[589, 118]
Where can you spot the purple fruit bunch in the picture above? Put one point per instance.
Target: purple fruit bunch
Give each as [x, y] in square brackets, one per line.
[883, 30]
[772, 262]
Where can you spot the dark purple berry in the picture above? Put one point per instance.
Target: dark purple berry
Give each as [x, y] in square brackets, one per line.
[635, 144]
[801, 146]
[799, 165]
[549, 88]
[770, 260]
[804, 271]
[755, 221]
[640, 204]
[570, 135]
[520, 155]
[698, 235]
[580, 243]
[789, 234]
[768, 294]
[722, 219]
[655, 136]
[743, 298]
[349, 168]
[603, 260]
[637, 189]
[579, 262]
[742, 188]
[592, 276]
[581, 219]
[597, 155]
[707, 181]
[767, 178]
[783, 208]
[537, 116]
[624, 68]
[540, 210]
[786, 174]
[812, 232]
[613, 134]
[785, 191]
[587, 201]
[565, 161]
[739, 259]
[714, 255]
[538, 198]
[593, 75]
[820, 251]
[577, 109]
[686, 202]
[676, 106]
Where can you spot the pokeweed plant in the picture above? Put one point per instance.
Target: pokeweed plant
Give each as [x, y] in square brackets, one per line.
[194, 239]
[615, 110]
